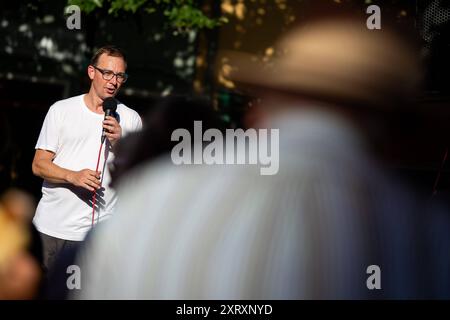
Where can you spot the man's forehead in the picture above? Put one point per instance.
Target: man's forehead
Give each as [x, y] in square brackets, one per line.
[106, 60]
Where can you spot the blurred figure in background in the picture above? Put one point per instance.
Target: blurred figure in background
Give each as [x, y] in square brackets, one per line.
[309, 232]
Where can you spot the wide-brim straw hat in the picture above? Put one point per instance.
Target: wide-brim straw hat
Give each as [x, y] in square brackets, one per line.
[336, 60]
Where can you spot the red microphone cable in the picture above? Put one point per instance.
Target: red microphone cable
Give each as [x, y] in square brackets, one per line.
[94, 194]
[109, 107]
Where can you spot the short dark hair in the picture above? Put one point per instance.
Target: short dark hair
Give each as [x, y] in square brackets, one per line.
[110, 51]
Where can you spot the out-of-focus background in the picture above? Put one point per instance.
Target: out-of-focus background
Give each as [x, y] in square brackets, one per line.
[173, 48]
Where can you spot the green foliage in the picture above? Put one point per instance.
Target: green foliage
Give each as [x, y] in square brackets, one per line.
[86, 5]
[182, 15]
[125, 5]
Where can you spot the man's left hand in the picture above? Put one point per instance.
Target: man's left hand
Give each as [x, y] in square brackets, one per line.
[113, 129]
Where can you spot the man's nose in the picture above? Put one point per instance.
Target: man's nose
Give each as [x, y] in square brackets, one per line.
[113, 80]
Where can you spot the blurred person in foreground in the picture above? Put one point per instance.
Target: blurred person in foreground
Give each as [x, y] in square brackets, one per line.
[20, 271]
[309, 232]
[20, 244]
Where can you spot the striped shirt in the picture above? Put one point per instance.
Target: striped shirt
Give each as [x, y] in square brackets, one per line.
[309, 232]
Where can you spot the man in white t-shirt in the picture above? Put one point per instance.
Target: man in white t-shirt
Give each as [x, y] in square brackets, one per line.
[68, 151]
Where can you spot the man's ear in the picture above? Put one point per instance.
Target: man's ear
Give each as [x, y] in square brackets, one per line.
[91, 72]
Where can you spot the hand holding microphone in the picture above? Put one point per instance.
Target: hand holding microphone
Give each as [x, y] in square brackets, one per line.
[112, 131]
[111, 128]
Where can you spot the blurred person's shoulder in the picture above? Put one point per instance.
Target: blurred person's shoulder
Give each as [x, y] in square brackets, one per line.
[163, 169]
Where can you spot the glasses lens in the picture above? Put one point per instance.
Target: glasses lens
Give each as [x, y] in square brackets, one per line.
[122, 77]
[107, 75]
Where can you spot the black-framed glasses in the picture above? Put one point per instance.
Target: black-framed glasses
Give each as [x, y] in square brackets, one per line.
[108, 75]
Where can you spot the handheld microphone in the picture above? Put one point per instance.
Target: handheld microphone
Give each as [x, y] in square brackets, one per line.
[109, 107]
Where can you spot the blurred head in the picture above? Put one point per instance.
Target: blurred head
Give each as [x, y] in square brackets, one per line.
[19, 204]
[107, 71]
[170, 113]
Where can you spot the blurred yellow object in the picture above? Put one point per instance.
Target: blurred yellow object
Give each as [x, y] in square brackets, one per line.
[19, 273]
[19, 205]
[13, 238]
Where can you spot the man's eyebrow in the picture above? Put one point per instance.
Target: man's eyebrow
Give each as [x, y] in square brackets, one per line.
[104, 69]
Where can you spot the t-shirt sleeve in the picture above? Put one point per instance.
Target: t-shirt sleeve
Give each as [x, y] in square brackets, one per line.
[48, 138]
[137, 123]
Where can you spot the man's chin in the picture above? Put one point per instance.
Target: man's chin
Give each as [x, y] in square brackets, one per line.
[109, 95]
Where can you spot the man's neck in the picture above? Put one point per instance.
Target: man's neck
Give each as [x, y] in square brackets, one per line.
[93, 102]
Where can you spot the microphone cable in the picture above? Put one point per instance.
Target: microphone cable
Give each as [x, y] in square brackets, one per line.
[109, 107]
[94, 194]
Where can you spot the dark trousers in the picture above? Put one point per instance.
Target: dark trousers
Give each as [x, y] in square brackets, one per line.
[51, 247]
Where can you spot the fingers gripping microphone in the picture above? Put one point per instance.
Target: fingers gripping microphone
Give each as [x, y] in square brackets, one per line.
[109, 107]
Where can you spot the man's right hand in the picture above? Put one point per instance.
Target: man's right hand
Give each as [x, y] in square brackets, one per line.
[44, 167]
[88, 179]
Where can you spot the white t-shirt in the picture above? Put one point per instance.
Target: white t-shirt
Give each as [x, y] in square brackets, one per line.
[73, 132]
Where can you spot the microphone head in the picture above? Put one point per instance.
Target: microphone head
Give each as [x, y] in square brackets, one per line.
[109, 105]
